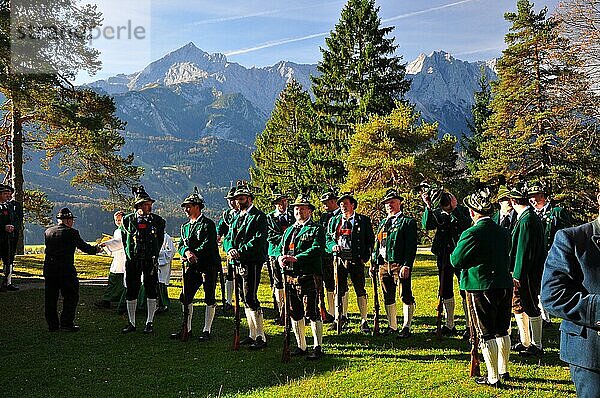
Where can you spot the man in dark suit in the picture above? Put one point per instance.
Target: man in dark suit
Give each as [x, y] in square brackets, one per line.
[571, 290]
[246, 246]
[60, 275]
[11, 225]
[330, 209]
[350, 238]
[506, 217]
[222, 229]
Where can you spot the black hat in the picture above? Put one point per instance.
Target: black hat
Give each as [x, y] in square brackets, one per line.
[391, 194]
[140, 196]
[242, 189]
[535, 188]
[5, 188]
[435, 195]
[302, 200]
[230, 193]
[348, 195]
[480, 201]
[64, 213]
[328, 196]
[194, 199]
[519, 191]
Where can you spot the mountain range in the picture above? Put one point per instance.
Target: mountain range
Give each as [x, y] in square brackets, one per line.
[192, 119]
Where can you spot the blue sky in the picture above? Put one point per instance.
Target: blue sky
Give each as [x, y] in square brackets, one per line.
[261, 33]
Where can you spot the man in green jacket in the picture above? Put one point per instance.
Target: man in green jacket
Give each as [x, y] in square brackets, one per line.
[330, 209]
[527, 255]
[299, 253]
[143, 234]
[222, 229]
[506, 217]
[350, 238]
[449, 219]
[554, 218]
[200, 255]
[394, 254]
[246, 247]
[277, 222]
[482, 257]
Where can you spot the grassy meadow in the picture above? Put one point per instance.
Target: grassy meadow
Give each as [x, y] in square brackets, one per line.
[100, 361]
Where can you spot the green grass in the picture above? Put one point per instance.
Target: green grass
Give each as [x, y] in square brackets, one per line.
[100, 361]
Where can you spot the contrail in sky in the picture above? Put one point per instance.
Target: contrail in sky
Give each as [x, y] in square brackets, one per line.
[261, 13]
[292, 40]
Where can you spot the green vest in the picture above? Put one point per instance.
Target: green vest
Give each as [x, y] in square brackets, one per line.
[400, 242]
[482, 255]
[309, 247]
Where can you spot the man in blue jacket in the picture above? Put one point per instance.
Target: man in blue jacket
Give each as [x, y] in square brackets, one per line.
[571, 290]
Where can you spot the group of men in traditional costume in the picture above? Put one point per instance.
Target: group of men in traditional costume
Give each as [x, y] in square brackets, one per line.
[497, 256]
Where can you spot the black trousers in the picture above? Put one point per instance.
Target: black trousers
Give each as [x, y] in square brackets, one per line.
[356, 270]
[328, 277]
[193, 279]
[446, 273]
[389, 277]
[55, 285]
[490, 310]
[134, 271]
[229, 275]
[526, 298]
[8, 247]
[302, 295]
[275, 273]
[249, 278]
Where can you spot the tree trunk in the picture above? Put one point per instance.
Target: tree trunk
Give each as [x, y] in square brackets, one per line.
[17, 167]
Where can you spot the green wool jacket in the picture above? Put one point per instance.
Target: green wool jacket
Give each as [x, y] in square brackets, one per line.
[130, 231]
[528, 250]
[447, 227]
[401, 242]
[309, 247]
[200, 237]
[275, 231]
[249, 236]
[482, 256]
[554, 220]
[226, 219]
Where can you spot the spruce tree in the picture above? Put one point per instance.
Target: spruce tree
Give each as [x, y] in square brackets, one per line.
[359, 76]
[540, 127]
[280, 158]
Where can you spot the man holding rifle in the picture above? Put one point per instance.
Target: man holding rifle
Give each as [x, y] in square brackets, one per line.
[330, 209]
[200, 256]
[482, 256]
[246, 245]
[394, 256]
[226, 220]
[350, 238]
[143, 235]
[300, 253]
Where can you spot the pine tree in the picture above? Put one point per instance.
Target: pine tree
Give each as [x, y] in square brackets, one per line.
[280, 158]
[480, 113]
[397, 151]
[540, 127]
[359, 76]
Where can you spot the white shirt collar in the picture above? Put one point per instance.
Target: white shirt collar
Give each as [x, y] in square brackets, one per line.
[482, 218]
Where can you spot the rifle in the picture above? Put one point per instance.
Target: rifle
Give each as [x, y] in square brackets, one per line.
[474, 370]
[322, 309]
[236, 311]
[285, 354]
[185, 334]
[222, 282]
[376, 303]
[338, 298]
[440, 307]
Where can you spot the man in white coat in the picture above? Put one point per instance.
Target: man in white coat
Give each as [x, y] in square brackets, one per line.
[167, 252]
